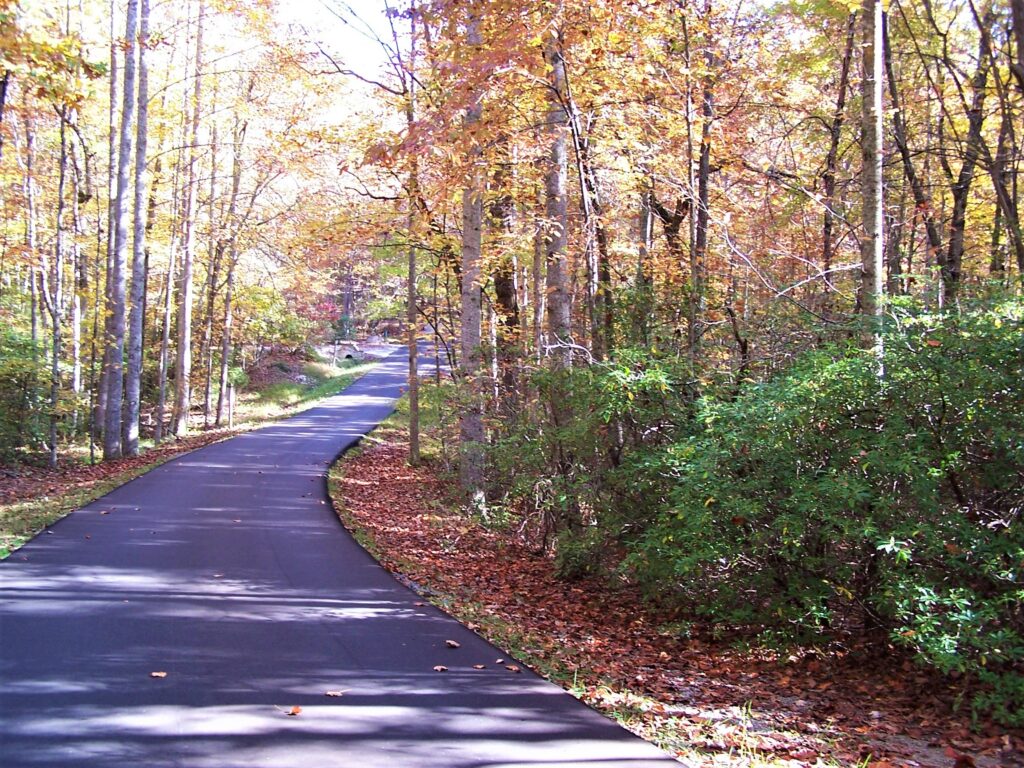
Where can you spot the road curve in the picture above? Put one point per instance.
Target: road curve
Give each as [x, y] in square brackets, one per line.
[227, 570]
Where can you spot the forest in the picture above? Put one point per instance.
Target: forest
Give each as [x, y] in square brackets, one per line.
[730, 293]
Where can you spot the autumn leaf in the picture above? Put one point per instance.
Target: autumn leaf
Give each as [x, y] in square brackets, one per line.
[452, 644]
[440, 668]
[479, 666]
[334, 694]
[512, 668]
[158, 674]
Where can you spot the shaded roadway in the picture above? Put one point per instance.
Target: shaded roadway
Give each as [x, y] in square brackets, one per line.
[228, 570]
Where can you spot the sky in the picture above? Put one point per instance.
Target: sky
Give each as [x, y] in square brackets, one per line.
[345, 29]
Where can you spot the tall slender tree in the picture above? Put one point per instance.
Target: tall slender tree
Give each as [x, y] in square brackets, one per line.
[872, 242]
[115, 326]
[133, 379]
[557, 206]
[183, 363]
[471, 426]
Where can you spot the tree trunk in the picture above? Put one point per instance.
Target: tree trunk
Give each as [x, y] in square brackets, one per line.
[183, 363]
[644, 306]
[537, 295]
[1017, 14]
[4, 84]
[698, 255]
[53, 294]
[872, 243]
[112, 448]
[410, 286]
[556, 209]
[215, 253]
[177, 192]
[952, 265]
[831, 161]
[225, 339]
[79, 279]
[138, 291]
[922, 203]
[232, 261]
[502, 222]
[471, 425]
[100, 413]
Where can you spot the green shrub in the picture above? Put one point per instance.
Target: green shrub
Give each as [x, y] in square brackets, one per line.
[24, 389]
[834, 498]
[558, 465]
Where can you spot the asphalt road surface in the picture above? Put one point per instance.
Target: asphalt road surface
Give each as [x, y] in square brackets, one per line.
[227, 570]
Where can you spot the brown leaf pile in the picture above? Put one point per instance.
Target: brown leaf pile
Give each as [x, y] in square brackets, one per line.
[716, 702]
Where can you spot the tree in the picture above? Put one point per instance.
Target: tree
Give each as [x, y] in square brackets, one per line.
[133, 380]
[872, 243]
[471, 428]
[116, 307]
[183, 363]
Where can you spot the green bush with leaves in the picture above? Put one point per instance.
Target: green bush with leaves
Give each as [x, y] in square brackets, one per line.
[24, 389]
[557, 467]
[881, 494]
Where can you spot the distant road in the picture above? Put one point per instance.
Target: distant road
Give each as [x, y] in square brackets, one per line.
[198, 616]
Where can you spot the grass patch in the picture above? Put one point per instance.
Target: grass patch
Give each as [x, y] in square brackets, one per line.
[283, 398]
[22, 519]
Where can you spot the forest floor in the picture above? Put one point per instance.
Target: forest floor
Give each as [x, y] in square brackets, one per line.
[34, 496]
[708, 700]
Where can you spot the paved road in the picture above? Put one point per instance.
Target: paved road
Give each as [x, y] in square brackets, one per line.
[227, 570]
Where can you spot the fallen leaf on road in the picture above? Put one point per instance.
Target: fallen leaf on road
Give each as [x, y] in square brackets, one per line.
[104, 511]
[512, 667]
[479, 666]
[293, 711]
[334, 694]
[440, 668]
[158, 674]
[452, 644]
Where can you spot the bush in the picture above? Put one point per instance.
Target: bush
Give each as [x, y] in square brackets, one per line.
[24, 388]
[558, 465]
[832, 498]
